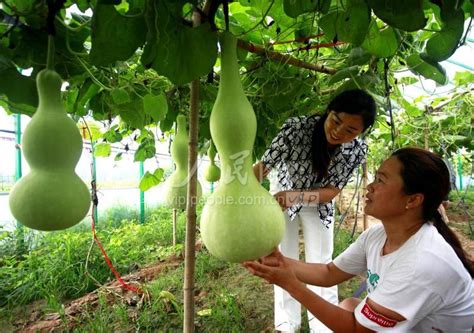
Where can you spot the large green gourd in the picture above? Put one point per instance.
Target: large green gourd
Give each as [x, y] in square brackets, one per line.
[51, 196]
[177, 184]
[212, 173]
[241, 220]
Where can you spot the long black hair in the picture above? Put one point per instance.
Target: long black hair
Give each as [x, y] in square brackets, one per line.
[426, 173]
[354, 101]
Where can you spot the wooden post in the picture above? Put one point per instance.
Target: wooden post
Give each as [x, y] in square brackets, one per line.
[190, 246]
[174, 226]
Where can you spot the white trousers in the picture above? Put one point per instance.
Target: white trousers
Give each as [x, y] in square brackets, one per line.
[318, 241]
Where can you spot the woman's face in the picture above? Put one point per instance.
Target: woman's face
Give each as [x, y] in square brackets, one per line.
[342, 127]
[385, 196]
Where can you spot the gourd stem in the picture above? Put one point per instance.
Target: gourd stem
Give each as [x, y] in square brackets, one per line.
[50, 56]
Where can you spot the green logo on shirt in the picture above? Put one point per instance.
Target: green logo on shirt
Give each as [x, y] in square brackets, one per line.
[373, 279]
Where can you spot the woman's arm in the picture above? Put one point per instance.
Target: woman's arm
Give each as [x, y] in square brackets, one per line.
[260, 171]
[285, 273]
[289, 198]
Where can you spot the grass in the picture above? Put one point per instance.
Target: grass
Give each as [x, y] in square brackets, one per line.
[55, 269]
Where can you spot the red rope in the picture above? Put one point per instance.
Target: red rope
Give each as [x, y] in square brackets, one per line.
[109, 263]
[95, 202]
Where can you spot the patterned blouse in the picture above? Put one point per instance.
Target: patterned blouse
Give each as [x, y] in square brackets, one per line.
[290, 153]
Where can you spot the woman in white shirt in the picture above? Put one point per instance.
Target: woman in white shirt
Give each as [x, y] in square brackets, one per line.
[418, 276]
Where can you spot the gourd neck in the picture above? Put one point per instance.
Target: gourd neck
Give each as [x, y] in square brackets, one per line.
[211, 153]
[229, 76]
[48, 84]
[237, 168]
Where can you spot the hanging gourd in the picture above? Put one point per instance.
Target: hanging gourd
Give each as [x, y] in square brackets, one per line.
[177, 184]
[241, 220]
[212, 173]
[51, 196]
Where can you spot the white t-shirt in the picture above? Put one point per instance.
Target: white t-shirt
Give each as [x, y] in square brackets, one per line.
[424, 281]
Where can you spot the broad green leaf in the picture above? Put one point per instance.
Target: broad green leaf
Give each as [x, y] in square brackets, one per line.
[352, 24]
[146, 150]
[156, 106]
[328, 24]
[18, 88]
[175, 50]
[87, 91]
[257, 4]
[348, 72]
[444, 43]
[21, 6]
[422, 65]
[159, 173]
[405, 15]
[151, 179]
[112, 135]
[118, 156]
[90, 130]
[463, 78]
[358, 56]
[167, 124]
[102, 149]
[294, 8]
[120, 96]
[115, 37]
[381, 43]
[132, 113]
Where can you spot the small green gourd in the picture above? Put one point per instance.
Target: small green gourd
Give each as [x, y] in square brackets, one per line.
[241, 220]
[51, 196]
[212, 173]
[177, 184]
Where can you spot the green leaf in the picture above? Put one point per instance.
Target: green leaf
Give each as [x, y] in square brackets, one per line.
[115, 37]
[420, 64]
[352, 24]
[156, 106]
[381, 43]
[444, 43]
[132, 113]
[146, 150]
[151, 179]
[102, 149]
[463, 78]
[87, 91]
[120, 96]
[112, 135]
[294, 8]
[175, 50]
[328, 24]
[18, 88]
[358, 56]
[348, 72]
[405, 15]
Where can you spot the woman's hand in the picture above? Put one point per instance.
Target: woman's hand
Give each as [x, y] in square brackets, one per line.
[286, 199]
[275, 269]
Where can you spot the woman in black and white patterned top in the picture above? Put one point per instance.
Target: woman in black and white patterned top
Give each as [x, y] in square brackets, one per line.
[315, 156]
